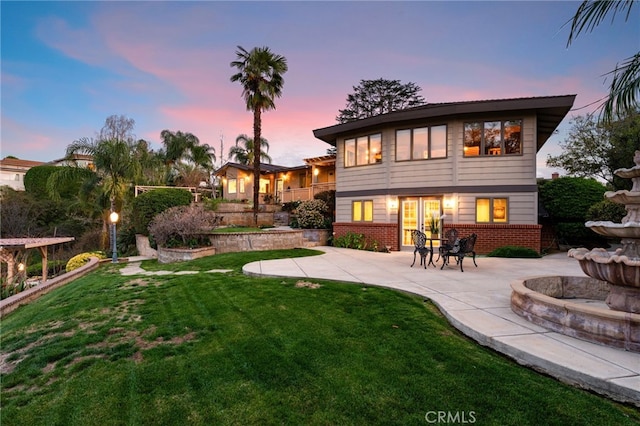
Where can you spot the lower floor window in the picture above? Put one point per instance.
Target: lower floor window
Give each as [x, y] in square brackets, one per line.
[362, 211]
[491, 210]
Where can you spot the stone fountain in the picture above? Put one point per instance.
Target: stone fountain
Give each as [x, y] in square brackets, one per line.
[603, 307]
[621, 269]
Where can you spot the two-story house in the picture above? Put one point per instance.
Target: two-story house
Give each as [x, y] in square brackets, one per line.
[473, 162]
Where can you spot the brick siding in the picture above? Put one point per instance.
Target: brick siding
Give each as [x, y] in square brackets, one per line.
[490, 236]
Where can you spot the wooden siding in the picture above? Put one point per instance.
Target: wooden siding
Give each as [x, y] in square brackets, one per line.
[454, 170]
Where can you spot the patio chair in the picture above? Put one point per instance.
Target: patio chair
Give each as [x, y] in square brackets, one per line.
[448, 242]
[461, 248]
[419, 240]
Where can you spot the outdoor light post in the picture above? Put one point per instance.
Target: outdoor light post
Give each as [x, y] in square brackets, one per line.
[114, 219]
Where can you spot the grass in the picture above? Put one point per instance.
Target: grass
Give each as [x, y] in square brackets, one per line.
[213, 348]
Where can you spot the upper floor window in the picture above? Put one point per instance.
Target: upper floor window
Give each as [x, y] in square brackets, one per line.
[363, 150]
[492, 138]
[421, 143]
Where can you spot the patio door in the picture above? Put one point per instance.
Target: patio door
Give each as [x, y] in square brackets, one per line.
[416, 213]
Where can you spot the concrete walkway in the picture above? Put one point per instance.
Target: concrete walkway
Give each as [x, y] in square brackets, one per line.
[477, 302]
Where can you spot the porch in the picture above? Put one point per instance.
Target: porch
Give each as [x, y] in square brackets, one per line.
[303, 194]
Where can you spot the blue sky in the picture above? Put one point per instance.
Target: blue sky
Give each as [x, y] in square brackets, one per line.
[67, 66]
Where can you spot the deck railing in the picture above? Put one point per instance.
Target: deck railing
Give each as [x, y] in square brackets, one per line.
[303, 194]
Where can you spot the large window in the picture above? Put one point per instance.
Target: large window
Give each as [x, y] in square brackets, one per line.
[421, 143]
[363, 150]
[362, 211]
[492, 138]
[232, 185]
[491, 210]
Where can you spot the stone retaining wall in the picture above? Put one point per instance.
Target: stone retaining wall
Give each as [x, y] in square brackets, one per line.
[169, 255]
[256, 241]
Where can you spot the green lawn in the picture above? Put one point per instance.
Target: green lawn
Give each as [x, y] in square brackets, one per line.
[210, 349]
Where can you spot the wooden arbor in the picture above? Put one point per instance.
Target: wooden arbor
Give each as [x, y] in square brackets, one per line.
[11, 247]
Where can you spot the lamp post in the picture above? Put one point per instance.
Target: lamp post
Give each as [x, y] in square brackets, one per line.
[114, 253]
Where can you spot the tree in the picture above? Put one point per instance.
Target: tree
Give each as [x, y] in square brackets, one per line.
[242, 152]
[596, 149]
[625, 82]
[260, 74]
[180, 147]
[375, 97]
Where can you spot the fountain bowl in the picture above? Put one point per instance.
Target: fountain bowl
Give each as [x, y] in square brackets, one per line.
[615, 230]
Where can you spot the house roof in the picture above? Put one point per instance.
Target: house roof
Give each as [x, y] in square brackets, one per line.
[18, 164]
[324, 160]
[550, 111]
[264, 168]
[73, 158]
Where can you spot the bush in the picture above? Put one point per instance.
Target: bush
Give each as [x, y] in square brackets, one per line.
[356, 241]
[53, 268]
[77, 261]
[567, 199]
[606, 210]
[36, 178]
[514, 251]
[147, 205]
[290, 206]
[311, 214]
[183, 226]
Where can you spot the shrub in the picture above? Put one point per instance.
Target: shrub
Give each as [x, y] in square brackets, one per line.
[147, 205]
[78, 260]
[53, 267]
[36, 178]
[290, 206]
[606, 210]
[329, 197]
[183, 226]
[567, 199]
[514, 251]
[356, 241]
[311, 214]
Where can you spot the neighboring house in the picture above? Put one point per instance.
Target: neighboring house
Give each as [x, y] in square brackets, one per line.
[77, 160]
[474, 162]
[278, 184]
[12, 171]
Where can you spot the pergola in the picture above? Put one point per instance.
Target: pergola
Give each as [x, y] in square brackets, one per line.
[9, 247]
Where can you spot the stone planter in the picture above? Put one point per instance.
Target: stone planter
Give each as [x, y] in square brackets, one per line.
[169, 255]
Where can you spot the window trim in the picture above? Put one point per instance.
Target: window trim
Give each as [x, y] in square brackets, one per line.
[370, 160]
[492, 211]
[482, 146]
[363, 210]
[429, 142]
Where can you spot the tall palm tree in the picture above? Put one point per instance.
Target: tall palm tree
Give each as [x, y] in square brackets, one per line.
[260, 74]
[242, 152]
[625, 83]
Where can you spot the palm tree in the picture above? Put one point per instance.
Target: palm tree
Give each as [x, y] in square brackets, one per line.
[185, 147]
[625, 84]
[260, 74]
[116, 168]
[244, 154]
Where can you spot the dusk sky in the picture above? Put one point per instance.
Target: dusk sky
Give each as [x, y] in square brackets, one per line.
[67, 66]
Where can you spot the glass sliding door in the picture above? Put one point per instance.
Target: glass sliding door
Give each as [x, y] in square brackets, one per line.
[417, 213]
